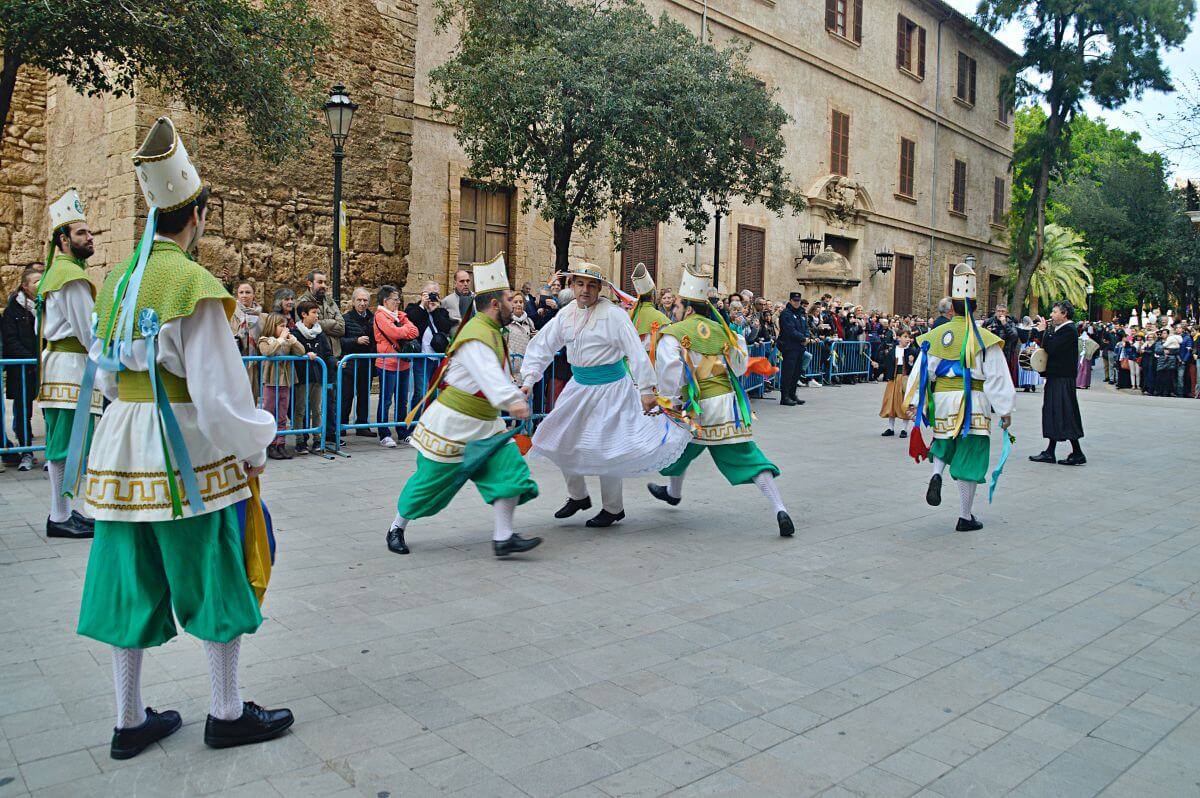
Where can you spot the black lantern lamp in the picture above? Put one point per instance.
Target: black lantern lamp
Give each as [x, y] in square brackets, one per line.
[339, 114]
[883, 260]
[809, 247]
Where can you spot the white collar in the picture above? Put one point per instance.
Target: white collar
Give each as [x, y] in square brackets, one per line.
[1064, 324]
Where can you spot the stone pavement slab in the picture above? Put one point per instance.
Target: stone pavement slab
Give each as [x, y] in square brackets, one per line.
[687, 650]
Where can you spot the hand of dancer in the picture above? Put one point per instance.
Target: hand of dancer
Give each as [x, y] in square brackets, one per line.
[519, 410]
[254, 471]
[525, 389]
[912, 413]
[649, 402]
[1005, 422]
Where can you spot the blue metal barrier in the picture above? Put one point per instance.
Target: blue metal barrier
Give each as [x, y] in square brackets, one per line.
[291, 417]
[755, 385]
[399, 390]
[22, 428]
[815, 362]
[849, 358]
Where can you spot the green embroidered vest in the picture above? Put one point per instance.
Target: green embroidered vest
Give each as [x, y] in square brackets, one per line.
[645, 315]
[946, 341]
[483, 328]
[707, 337]
[172, 285]
[63, 269]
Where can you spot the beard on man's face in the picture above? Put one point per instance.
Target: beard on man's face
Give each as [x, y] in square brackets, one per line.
[319, 294]
[83, 251]
[506, 314]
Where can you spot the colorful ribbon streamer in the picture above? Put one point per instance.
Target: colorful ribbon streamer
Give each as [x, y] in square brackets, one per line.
[1009, 440]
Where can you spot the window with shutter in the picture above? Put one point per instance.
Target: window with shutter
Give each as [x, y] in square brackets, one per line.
[845, 18]
[964, 89]
[908, 157]
[639, 245]
[921, 51]
[903, 55]
[751, 257]
[971, 83]
[910, 46]
[1001, 105]
[839, 144]
[831, 15]
[958, 193]
[902, 289]
[998, 202]
[858, 22]
[483, 223]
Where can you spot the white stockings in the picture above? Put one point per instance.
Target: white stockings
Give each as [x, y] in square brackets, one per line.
[675, 487]
[766, 483]
[610, 491]
[127, 677]
[60, 505]
[504, 509]
[226, 701]
[966, 498]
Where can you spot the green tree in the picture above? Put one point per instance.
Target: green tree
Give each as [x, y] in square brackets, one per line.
[603, 111]
[1107, 51]
[1062, 273]
[252, 59]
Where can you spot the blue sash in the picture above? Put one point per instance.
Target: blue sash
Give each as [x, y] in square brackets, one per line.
[599, 375]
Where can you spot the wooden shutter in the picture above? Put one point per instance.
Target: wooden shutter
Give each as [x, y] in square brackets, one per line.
[831, 15]
[839, 144]
[638, 246]
[902, 55]
[998, 201]
[960, 88]
[751, 257]
[902, 289]
[959, 192]
[1001, 104]
[971, 84]
[908, 156]
[921, 52]
[483, 224]
[858, 14]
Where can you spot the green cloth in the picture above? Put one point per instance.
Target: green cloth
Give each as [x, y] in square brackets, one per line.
[467, 403]
[137, 573]
[430, 489]
[172, 285]
[644, 316]
[715, 385]
[702, 335]
[63, 269]
[968, 457]
[739, 463]
[483, 328]
[946, 340]
[58, 432]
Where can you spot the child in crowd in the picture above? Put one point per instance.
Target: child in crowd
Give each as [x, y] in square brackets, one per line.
[277, 340]
[310, 381]
[897, 364]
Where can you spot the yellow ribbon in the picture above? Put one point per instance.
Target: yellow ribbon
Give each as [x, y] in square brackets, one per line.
[256, 548]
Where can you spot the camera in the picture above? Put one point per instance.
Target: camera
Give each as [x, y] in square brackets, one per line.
[433, 296]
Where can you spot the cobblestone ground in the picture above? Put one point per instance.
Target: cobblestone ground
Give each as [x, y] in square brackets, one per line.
[689, 649]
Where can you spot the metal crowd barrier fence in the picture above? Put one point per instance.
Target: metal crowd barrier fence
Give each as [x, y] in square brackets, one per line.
[292, 401]
[849, 358]
[755, 385]
[815, 361]
[22, 426]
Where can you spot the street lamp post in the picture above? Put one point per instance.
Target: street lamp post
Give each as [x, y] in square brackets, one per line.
[1091, 289]
[339, 114]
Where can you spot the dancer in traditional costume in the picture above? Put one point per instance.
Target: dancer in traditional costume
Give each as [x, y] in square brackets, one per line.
[897, 365]
[461, 436]
[956, 403]
[647, 319]
[699, 359]
[181, 445]
[599, 426]
[65, 298]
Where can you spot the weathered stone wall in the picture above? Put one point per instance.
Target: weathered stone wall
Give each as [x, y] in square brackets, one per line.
[23, 180]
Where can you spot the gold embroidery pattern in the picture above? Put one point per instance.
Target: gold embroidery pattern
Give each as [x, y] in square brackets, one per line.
[148, 490]
[979, 422]
[723, 432]
[436, 444]
[67, 392]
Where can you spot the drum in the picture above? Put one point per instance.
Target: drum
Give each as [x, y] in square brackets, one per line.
[1024, 359]
[1038, 359]
[1089, 348]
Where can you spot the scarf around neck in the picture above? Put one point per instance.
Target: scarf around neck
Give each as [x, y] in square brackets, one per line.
[308, 332]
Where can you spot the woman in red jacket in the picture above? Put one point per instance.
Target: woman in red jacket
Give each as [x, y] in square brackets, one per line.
[393, 334]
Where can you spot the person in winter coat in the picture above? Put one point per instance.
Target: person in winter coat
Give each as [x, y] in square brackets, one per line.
[311, 382]
[394, 334]
[278, 377]
[246, 323]
[329, 314]
[21, 382]
[358, 339]
[284, 303]
[433, 325]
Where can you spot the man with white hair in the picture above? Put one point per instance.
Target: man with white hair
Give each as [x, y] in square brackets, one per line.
[599, 424]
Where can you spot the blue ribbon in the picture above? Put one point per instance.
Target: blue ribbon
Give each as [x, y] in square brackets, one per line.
[77, 453]
[922, 414]
[122, 340]
[148, 324]
[1009, 440]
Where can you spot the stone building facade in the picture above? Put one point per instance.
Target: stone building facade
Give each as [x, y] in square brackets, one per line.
[268, 223]
[869, 84]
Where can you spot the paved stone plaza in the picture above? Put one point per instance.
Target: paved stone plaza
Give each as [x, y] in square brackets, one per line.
[878, 653]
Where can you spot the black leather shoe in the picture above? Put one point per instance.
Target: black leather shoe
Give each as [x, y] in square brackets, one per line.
[788, 402]
[796, 401]
[887, 433]
[660, 492]
[364, 433]
[573, 506]
[903, 433]
[1041, 457]
[1074, 458]
[933, 494]
[967, 526]
[786, 527]
[395, 541]
[273, 452]
[605, 518]
[514, 545]
[254, 726]
[128, 743]
[83, 520]
[68, 529]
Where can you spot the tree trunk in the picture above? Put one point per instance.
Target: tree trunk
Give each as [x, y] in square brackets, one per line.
[562, 243]
[1031, 239]
[8, 84]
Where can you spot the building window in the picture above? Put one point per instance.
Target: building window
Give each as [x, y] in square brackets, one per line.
[965, 90]
[638, 245]
[998, 202]
[839, 145]
[844, 17]
[958, 194]
[1002, 112]
[908, 158]
[483, 223]
[902, 290]
[751, 257]
[910, 46]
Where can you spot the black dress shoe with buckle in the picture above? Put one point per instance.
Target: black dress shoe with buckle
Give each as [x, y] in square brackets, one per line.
[903, 433]
[68, 529]
[1041, 457]
[965, 525]
[128, 743]
[660, 492]
[395, 541]
[256, 725]
[514, 545]
[933, 494]
[573, 506]
[786, 527]
[83, 520]
[605, 518]
[887, 433]
[1074, 458]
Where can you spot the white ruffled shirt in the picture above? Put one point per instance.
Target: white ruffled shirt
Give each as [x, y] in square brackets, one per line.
[594, 336]
[68, 313]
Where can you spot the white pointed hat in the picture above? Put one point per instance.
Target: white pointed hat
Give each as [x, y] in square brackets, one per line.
[67, 209]
[962, 286]
[694, 286]
[491, 275]
[643, 283]
[165, 172]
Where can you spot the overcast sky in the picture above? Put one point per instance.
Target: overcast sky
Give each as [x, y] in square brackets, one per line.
[1141, 115]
